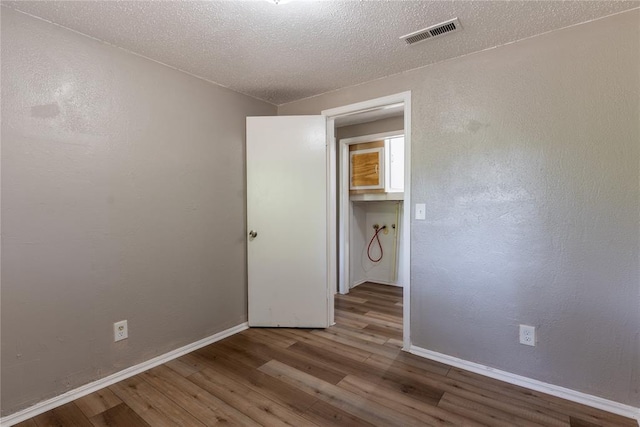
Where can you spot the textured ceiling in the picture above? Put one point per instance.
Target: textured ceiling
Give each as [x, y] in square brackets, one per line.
[291, 51]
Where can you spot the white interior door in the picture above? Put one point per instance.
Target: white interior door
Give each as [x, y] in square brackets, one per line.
[287, 221]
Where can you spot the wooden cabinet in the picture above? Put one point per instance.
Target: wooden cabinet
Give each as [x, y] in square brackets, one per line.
[377, 167]
[367, 169]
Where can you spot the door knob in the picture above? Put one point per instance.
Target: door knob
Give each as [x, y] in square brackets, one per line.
[253, 234]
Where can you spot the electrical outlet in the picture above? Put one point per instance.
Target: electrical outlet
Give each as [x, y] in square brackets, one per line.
[528, 335]
[120, 331]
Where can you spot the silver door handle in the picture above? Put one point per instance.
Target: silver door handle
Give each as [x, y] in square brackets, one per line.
[253, 234]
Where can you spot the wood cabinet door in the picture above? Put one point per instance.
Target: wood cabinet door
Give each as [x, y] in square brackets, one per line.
[367, 169]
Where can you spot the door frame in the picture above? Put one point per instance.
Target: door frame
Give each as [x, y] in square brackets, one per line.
[346, 208]
[336, 236]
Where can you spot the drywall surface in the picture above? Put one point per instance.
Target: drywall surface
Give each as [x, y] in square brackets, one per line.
[357, 245]
[371, 213]
[122, 198]
[527, 157]
[389, 124]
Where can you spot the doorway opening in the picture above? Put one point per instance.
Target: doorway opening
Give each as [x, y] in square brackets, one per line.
[369, 169]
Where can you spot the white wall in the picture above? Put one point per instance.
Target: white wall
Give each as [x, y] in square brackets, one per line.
[370, 213]
[389, 124]
[358, 232]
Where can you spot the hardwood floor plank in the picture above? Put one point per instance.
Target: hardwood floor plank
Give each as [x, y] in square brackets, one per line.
[350, 298]
[276, 334]
[259, 382]
[412, 387]
[28, 423]
[414, 361]
[552, 404]
[239, 354]
[262, 335]
[340, 319]
[356, 343]
[373, 294]
[63, 416]
[393, 343]
[383, 306]
[253, 404]
[347, 401]
[380, 289]
[151, 405]
[395, 313]
[331, 345]
[362, 370]
[404, 403]
[361, 334]
[194, 361]
[386, 331]
[120, 415]
[576, 422]
[371, 320]
[181, 367]
[384, 317]
[208, 409]
[325, 414]
[399, 384]
[311, 366]
[351, 308]
[485, 414]
[379, 299]
[97, 402]
[479, 395]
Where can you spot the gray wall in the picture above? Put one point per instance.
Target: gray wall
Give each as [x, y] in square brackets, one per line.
[527, 156]
[122, 198]
[389, 124]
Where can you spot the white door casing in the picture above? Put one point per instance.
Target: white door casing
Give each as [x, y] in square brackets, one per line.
[287, 208]
[343, 231]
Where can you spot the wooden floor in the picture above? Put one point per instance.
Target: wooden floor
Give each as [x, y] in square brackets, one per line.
[352, 374]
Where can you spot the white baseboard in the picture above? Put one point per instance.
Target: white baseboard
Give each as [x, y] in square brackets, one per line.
[86, 389]
[554, 390]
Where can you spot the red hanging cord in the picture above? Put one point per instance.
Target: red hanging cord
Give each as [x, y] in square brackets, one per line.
[375, 237]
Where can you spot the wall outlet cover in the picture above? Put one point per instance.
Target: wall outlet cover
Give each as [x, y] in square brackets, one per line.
[528, 335]
[120, 331]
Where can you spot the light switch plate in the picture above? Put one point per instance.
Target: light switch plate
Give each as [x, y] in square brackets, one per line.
[421, 211]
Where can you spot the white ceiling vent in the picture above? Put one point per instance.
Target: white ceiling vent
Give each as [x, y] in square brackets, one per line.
[432, 31]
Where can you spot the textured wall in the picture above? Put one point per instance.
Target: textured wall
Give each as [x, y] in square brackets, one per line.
[527, 156]
[389, 124]
[122, 198]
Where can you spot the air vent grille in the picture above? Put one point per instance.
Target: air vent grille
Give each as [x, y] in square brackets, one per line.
[432, 31]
